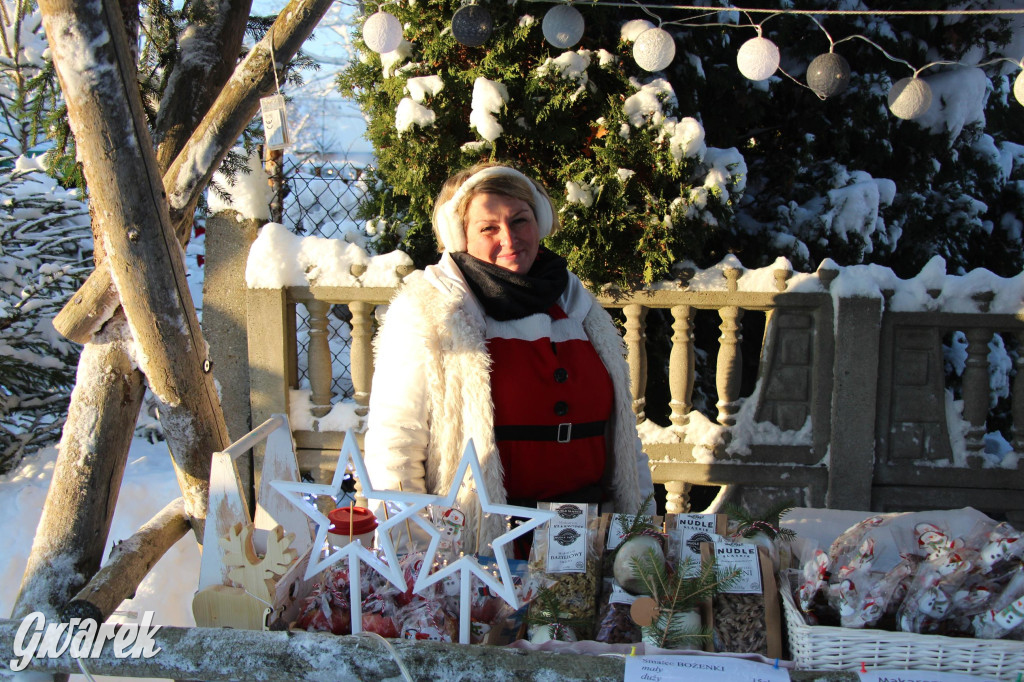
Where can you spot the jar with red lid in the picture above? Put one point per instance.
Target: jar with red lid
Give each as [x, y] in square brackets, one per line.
[351, 523]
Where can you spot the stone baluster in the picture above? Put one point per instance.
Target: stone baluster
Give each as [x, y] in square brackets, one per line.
[318, 357]
[781, 275]
[681, 364]
[361, 353]
[636, 355]
[976, 393]
[729, 369]
[1018, 398]
[677, 498]
[827, 275]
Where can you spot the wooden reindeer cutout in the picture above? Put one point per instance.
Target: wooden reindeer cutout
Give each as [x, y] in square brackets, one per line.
[249, 568]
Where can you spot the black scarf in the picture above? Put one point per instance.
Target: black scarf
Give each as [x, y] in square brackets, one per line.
[506, 295]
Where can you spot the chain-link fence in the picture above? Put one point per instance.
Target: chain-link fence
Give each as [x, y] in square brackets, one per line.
[320, 199]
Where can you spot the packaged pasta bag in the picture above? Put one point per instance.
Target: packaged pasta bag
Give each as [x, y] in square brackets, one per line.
[745, 616]
[565, 560]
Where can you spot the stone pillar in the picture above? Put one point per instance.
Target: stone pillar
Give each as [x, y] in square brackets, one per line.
[224, 319]
[677, 497]
[976, 393]
[1018, 398]
[729, 368]
[852, 445]
[318, 357]
[361, 353]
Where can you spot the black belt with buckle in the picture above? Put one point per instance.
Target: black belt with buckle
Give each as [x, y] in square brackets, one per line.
[560, 433]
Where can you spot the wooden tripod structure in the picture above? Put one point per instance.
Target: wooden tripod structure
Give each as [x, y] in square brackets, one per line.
[134, 313]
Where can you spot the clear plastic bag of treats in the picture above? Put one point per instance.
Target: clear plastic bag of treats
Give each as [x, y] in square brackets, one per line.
[428, 619]
[327, 607]
[1005, 620]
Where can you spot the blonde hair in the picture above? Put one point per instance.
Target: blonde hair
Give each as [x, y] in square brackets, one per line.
[510, 184]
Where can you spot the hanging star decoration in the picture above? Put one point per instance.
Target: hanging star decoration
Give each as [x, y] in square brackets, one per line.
[408, 504]
[467, 566]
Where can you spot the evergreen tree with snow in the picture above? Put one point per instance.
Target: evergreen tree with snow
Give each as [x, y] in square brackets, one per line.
[45, 248]
[637, 186]
[842, 178]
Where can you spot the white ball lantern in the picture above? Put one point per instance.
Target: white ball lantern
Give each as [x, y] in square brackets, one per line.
[563, 26]
[828, 75]
[758, 58]
[382, 32]
[654, 49]
[910, 98]
[1018, 87]
[472, 25]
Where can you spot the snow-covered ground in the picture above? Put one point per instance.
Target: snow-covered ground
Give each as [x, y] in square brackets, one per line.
[149, 484]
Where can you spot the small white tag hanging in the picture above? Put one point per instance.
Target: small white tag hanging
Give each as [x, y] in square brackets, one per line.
[275, 117]
[275, 121]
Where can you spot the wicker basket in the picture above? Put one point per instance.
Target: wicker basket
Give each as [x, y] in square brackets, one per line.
[824, 647]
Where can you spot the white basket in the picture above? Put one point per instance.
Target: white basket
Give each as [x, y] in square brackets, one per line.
[823, 647]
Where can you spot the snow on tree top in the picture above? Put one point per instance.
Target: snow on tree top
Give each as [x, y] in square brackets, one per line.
[248, 193]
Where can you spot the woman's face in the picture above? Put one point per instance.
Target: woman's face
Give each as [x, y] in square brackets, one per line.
[502, 231]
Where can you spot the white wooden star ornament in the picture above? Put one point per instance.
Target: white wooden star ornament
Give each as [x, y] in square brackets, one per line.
[409, 504]
[467, 566]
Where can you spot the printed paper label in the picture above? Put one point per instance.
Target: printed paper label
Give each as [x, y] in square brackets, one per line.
[275, 122]
[615, 534]
[691, 522]
[917, 676]
[620, 596]
[567, 539]
[689, 546]
[742, 556]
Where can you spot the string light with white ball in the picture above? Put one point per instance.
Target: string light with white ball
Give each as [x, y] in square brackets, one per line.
[758, 58]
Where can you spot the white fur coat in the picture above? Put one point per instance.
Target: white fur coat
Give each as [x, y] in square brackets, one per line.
[432, 392]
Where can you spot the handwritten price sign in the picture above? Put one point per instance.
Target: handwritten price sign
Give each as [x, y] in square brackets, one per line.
[704, 668]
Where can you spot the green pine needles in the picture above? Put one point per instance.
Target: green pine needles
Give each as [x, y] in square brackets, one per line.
[767, 522]
[677, 593]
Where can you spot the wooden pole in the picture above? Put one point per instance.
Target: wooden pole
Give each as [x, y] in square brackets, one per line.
[129, 563]
[75, 521]
[229, 654]
[189, 174]
[92, 59]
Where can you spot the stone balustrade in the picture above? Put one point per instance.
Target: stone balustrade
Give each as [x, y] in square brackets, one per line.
[849, 409]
